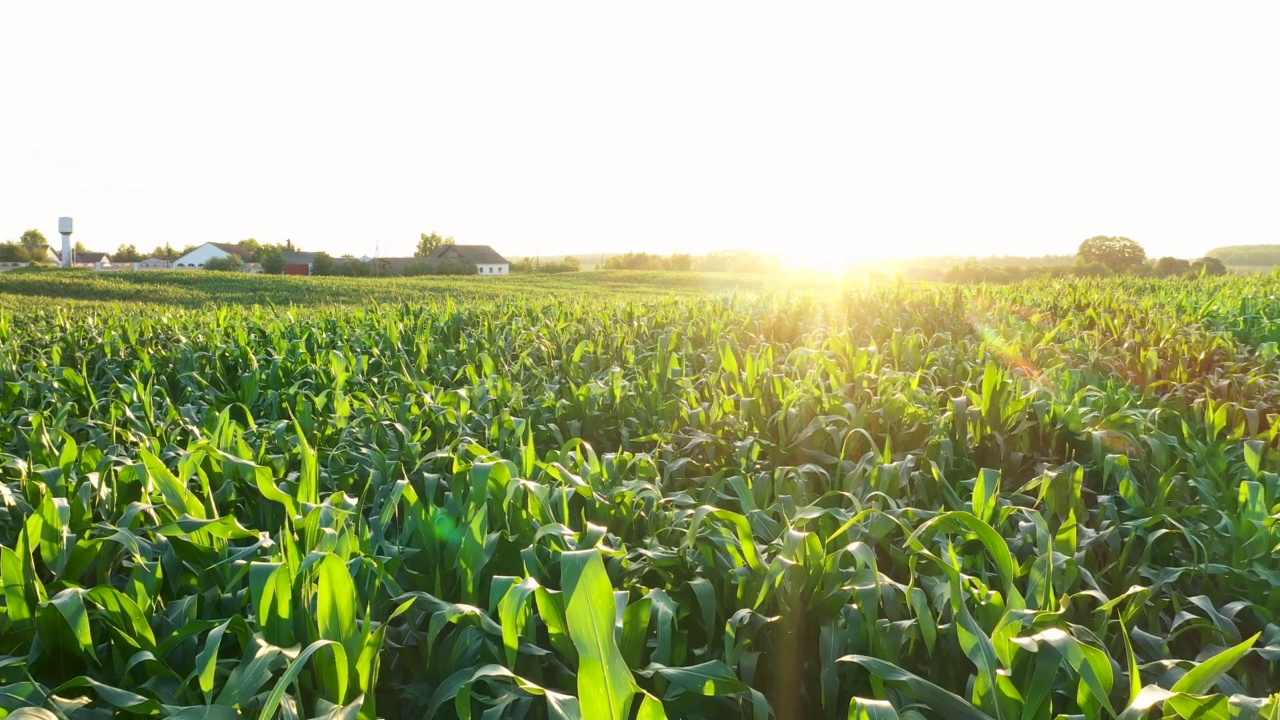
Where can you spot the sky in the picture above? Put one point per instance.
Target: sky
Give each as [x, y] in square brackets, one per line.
[821, 131]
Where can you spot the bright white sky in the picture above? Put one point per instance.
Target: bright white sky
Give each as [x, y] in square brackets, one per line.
[820, 129]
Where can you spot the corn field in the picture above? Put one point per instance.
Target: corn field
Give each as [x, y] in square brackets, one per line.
[1046, 500]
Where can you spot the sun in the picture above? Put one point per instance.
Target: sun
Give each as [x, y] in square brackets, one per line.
[834, 261]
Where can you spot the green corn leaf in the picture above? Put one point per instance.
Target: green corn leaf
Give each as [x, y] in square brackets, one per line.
[257, 664]
[986, 490]
[70, 605]
[18, 601]
[55, 517]
[864, 709]
[605, 685]
[207, 660]
[201, 712]
[124, 613]
[709, 678]
[226, 528]
[336, 602]
[175, 492]
[513, 613]
[996, 546]
[651, 708]
[942, 702]
[350, 711]
[31, 713]
[1093, 667]
[295, 668]
[115, 697]
[635, 630]
[1205, 675]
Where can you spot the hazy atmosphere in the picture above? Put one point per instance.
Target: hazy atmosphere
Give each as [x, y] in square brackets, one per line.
[603, 361]
[828, 131]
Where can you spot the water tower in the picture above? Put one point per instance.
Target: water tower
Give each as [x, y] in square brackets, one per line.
[64, 227]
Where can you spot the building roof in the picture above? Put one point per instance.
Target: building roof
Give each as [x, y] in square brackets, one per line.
[292, 257]
[396, 265]
[154, 259]
[244, 254]
[474, 254]
[92, 257]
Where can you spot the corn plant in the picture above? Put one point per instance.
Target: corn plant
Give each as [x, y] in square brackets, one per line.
[631, 496]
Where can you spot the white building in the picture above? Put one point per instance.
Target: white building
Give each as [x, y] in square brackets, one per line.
[209, 251]
[152, 263]
[486, 259]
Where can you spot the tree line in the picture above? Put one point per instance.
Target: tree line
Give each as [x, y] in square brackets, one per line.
[428, 244]
[1096, 257]
[732, 261]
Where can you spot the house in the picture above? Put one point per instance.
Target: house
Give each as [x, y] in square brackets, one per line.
[486, 259]
[152, 263]
[299, 263]
[95, 260]
[208, 251]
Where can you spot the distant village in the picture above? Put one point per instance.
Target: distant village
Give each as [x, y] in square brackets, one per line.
[435, 256]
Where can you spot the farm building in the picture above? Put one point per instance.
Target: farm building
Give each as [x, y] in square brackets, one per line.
[486, 259]
[209, 251]
[153, 263]
[95, 260]
[51, 255]
[299, 263]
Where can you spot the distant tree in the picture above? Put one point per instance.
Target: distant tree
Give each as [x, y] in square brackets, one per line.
[1208, 266]
[79, 248]
[1117, 253]
[18, 252]
[430, 243]
[349, 266]
[127, 254]
[254, 247]
[416, 269]
[1094, 269]
[1256, 255]
[1167, 266]
[322, 264]
[568, 263]
[738, 261]
[230, 263]
[33, 239]
[166, 252]
[272, 259]
[635, 261]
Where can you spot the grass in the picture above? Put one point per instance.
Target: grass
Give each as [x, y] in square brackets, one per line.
[637, 495]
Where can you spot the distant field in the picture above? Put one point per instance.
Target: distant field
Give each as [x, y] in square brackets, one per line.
[202, 289]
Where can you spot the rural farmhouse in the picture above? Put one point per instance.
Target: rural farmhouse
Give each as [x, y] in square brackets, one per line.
[209, 251]
[486, 259]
